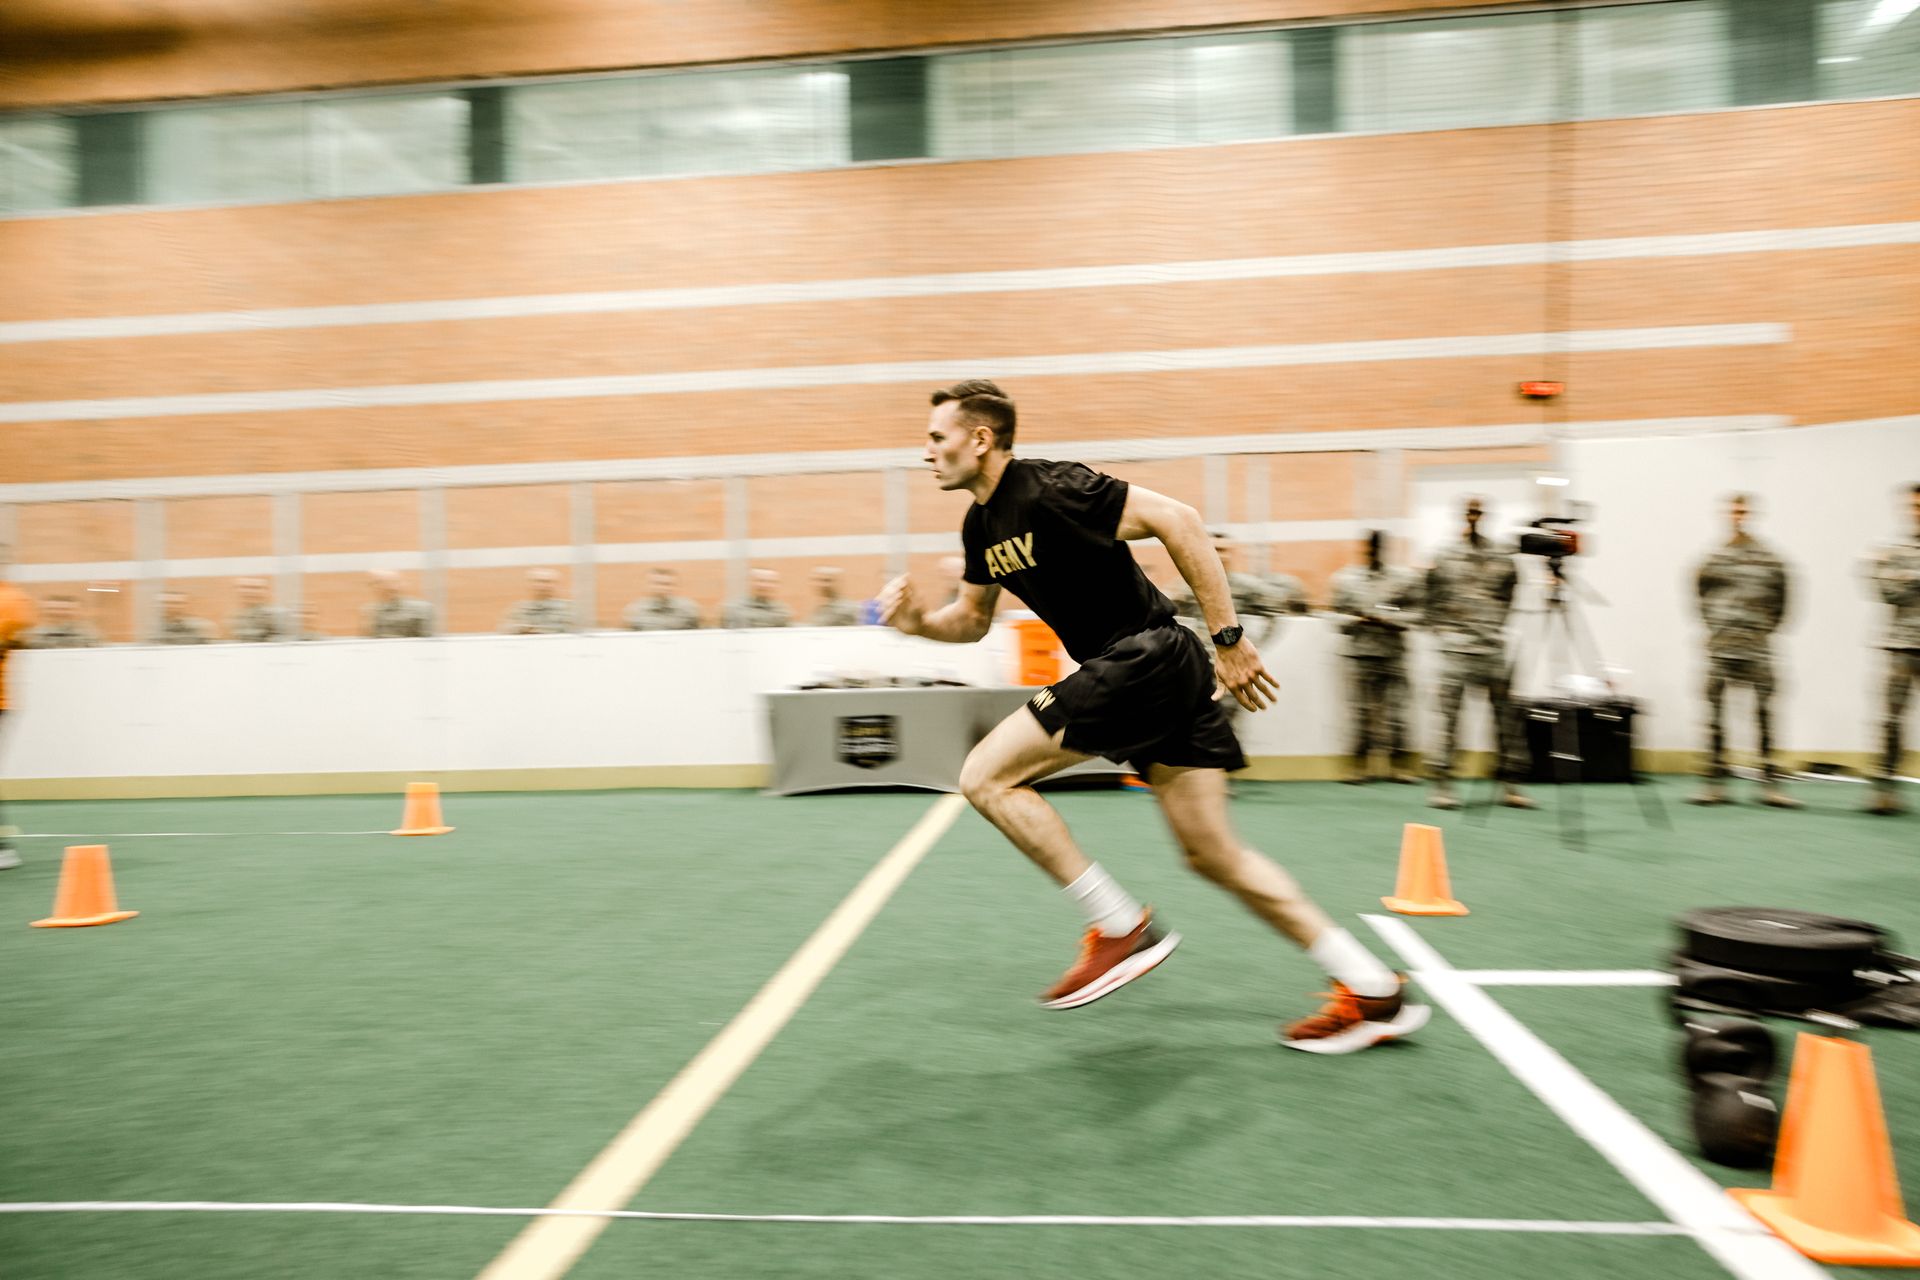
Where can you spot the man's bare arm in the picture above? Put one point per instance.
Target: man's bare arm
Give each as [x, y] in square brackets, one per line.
[966, 620]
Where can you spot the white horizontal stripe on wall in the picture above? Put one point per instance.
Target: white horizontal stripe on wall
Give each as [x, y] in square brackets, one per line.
[835, 462]
[827, 547]
[1179, 360]
[956, 283]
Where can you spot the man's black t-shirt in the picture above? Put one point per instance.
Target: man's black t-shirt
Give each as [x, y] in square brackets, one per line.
[1047, 535]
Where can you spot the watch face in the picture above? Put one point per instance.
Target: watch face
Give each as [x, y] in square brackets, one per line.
[1228, 637]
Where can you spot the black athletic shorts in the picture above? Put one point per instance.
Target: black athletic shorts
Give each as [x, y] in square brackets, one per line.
[1147, 700]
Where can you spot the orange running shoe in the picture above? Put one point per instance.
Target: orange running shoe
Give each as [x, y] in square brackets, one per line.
[1107, 964]
[1348, 1022]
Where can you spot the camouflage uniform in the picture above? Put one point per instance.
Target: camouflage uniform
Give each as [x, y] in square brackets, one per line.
[836, 613]
[1743, 597]
[395, 619]
[1469, 594]
[183, 631]
[1377, 653]
[259, 624]
[654, 613]
[539, 618]
[744, 615]
[1287, 594]
[60, 635]
[1896, 575]
[1253, 597]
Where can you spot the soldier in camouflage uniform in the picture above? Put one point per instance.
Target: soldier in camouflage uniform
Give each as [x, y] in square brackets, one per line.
[543, 613]
[177, 626]
[1742, 590]
[762, 608]
[392, 615]
[834, 610]
[1377, 604]
[257, 621]
[663, 610]
[1896, 578]
[62, 629]
[1468, 596]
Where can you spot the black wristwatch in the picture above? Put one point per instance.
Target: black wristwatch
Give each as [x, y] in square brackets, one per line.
[1227, 637]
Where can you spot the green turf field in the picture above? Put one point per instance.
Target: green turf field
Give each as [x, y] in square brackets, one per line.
[468, 1020]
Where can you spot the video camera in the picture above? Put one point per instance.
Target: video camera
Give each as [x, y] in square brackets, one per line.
[1551, 537]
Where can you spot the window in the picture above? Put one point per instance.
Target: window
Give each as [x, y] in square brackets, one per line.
[1241, 87]
[1651, 58]
[1869, 48]
[387, 146]
[39, 163]
[561, 132]
[1023, 102]
[1450, 73]
[223, 155]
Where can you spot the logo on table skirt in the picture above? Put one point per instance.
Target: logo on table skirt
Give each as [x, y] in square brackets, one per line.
[867, 742]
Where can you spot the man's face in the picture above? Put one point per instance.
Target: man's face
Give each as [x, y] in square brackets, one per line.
[1472, 513]
[953, 451]
[765, 583]
[385, 586]
[61, 609]
[252, 592]
[662, 582]
[1913, 503]
[1229, 554]
[541, 584]
[826, 581]
[172, 604]
[1737, 513]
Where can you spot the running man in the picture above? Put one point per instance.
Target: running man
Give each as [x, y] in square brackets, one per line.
[1147, 693]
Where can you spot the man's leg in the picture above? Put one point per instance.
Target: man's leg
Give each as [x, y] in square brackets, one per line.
[1713, 790]
[1369, 1003]
[998, 779]
[1507, 737]
[1396, 697]
[1361, 706]
[1760, 672]
[1121, 942]
[1903, 670]
[1452, 687]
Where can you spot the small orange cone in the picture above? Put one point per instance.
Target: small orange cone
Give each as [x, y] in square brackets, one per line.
[422, 817]
[1423, 889]
[85, 895]
[1835, 1196]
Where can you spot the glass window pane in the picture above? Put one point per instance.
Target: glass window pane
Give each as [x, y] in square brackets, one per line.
[216, 155]
[1049, 101]
[585, 129]
[1240, 87]
[1453, 73]
[385, 146]
[743, 121]
[1869, 48]
[1650, 58]
[965, 98]
[39, 163]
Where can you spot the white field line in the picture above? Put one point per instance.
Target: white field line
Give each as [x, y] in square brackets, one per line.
[1687, 1196]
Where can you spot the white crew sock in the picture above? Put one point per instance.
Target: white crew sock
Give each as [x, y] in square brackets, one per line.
[1107, 906]
[1337, 951]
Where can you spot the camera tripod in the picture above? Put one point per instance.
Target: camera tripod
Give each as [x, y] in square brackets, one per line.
[1570, 651]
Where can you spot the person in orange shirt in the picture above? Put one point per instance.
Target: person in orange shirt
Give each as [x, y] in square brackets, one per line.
[16, 615]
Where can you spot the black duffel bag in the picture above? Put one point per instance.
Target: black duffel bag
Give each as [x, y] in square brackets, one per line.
[1792, 964]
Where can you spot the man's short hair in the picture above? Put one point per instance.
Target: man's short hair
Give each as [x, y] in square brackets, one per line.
[982, 403]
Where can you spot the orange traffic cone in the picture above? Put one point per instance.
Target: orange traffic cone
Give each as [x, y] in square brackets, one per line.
[85, 895]
[422, 817]
[1423, 889]
[1835, 1196]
